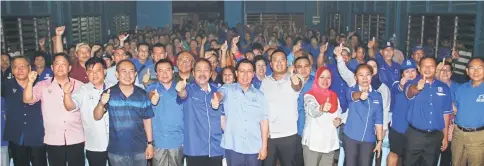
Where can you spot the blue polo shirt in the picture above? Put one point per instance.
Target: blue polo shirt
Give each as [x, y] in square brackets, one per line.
[427, 109]
[470, 103]
[203, 130]
[168, 122]
[353, 64]
[244, 112]
[24, 124]
[46, 74]
[139, 66]
[301, 120]
[126, 114]
[363, 115]
[399, 108]
[388, 74]
[339, 86]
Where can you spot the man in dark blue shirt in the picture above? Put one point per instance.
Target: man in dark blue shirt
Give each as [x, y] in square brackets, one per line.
[130, 113]
[430, 106]
[24, 128]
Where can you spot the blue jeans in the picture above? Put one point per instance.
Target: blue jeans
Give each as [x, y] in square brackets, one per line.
[234, 158]
[135, 159]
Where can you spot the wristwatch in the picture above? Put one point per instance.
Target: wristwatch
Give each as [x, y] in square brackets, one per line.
[152, 143]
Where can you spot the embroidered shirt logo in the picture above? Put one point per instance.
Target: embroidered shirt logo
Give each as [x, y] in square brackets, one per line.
[440, 90]
[480, 99]
[14, 90]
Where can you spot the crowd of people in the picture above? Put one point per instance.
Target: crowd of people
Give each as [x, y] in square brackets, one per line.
[204, 94]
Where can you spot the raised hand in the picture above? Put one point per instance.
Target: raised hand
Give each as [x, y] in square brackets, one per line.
[323, 48]
[338, 50]
[371, 43]
[421, 84]
[67, 88]
[122, 37]
[95, 48]
[32, 76]
[326, 106]
[204, 40]
[224, 46]
[42, 41]
[155, 97]
[294, 79]
[216, 100]
[181, 85]
[146, 77]
[59, 31]
[364, 94]
[105, 97]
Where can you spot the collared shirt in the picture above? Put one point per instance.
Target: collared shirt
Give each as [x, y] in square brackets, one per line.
[46, 74]
[282, 101]
[470, 103]
[301, 120]
[399, 108]
[111, 77]
[244, 112]
[427, 109]
[95, 132]
[126, 114]
[353, 64]
[339, 86]
[78, 72]
[4, 143]
[141, 66]
[168, 122]
[203, 130]
[256, 82]
[320, 134]
[388, 74]
[24, 124]
[62, 127]
[363, 115]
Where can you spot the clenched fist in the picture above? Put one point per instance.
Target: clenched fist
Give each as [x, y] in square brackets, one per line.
[216, 100]
[32, 76]
[59, 31]
[67, 88]
[364, 94]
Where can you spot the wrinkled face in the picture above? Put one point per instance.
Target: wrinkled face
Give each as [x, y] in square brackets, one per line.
[227, 76]
[303, 67]
[158, 53]
[446, 73]
[250, 56]
[427, 68]
[83, 54]
[374, 66]
[476, 70]
[202, 72]
[39, 62]
[279, 62]
[119, 55]
[126, 73]
[20, 69]
[96, 74]
[143, 52]
[387, 53]
[164, 72]
[260, 68]
[324, 80]
[417, 55]
[5, 61]
[360, 53]
[184, 62]
[60, 66]
[363, 77]
[245, 73]
[410, 74]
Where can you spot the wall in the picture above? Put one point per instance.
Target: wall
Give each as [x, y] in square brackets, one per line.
[154, 13]
[234, 12]
[61, 12]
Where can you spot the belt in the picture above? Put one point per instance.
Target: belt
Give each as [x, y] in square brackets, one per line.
[467, 129]
[424, 131]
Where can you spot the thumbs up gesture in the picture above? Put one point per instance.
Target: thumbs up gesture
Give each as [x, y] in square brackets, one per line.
[146, 77]
[155, 97]
[216, 100]
[364, 94]
[67, 88]
[421, 84]
[294, 78]
[181, 85]
[105, 97]
[326, 106]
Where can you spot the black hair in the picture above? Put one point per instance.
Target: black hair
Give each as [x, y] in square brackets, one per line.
[446, 63]
[158, 45]
[315, 38]
[232, 70]
[17, 57]
[40, 54]
[200, 60]
[213, 50]
[360, 66]
[128, 54]
[143, 44]
[124, 61]
[301, 58]
[277, 51]
[427, 57]
[258, 58]
[474, 58]
[95, 60]
[257, 46]
[64, 55]
[164, 61]
[245, 60]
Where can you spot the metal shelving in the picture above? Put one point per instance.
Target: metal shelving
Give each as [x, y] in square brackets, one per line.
[23, 33]
[369, 25]
[86, 29]
[271, 18]
[120, 23]
[335, 21]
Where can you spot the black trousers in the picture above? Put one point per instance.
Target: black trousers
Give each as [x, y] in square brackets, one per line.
[446, 156]
[299, 151]
[24, 155]
[97, 158]
[422, 148]
[204, 161]
[358, 153]
[72, 154]
[284, 149]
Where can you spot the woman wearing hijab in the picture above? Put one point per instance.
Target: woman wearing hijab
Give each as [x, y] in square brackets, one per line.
[320, 136]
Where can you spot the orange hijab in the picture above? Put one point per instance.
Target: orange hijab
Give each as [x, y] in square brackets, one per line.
[321, 94]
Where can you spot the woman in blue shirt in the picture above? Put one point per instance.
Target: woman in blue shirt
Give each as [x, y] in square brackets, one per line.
[359, 59]
[365, 118]
[44, 71]
[260, 70]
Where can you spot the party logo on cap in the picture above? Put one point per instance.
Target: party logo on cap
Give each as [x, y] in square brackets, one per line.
[389, 44]
[409, 62]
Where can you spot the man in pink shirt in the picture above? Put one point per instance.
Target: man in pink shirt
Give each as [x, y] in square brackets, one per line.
[64, 135]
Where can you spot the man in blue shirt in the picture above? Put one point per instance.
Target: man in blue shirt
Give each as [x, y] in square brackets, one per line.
[203, 130]
[24, 127]
[168, 124]
[428, 116]
[143, 59]
[130, 113]
[389, 70]
[246, 112]
[148, 73]
[468, 136]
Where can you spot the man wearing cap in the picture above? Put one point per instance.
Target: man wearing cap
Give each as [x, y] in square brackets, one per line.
[389, 71]
[429, 109]
[399, 109]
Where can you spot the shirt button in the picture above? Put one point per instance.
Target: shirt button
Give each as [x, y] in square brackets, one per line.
[430, 113]
[430, 103]
[25, 122]
[430, 122]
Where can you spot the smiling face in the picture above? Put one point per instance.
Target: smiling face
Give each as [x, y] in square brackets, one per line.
[61, 66]
[96, 74]
[164, 72]
[126, 73]
[427, 68]
[324, 80]
[202, 72]
[363, 76]
[279, 62]
[475, 70]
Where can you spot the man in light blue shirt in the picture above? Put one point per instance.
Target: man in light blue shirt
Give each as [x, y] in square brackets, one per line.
[168, 124]
[246, 112]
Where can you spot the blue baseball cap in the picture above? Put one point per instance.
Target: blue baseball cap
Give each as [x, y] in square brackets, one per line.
[416, 48]
[388, 44]
[408, 64]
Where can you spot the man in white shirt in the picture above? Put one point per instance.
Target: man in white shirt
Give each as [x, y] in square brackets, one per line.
[85, 100]
[281, 90]
[118, 55]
